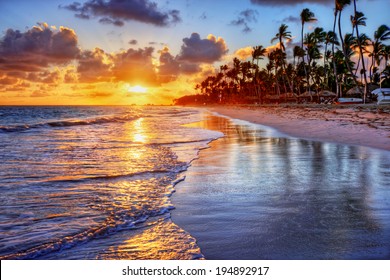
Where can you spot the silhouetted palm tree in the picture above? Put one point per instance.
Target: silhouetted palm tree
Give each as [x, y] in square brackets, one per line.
[330, 38]
[340, 4]
[380, 35]
[245, 81]
[336, 11]
[282, 35]
[358, 19]
[258, 53]
[306, 16]
[298, 52]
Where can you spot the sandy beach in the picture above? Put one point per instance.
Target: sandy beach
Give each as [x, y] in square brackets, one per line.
[364, 125]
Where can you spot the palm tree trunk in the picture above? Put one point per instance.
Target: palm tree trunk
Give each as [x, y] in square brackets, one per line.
[303, 59]
[326, 60]
[361, 56]
[277, 81]
[373, 64]
[334, 60]
[344, 51]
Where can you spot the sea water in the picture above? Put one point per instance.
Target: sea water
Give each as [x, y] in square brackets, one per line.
[94, 182]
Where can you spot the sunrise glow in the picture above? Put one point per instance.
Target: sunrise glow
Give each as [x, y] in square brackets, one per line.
[137, 89]
[146, 52]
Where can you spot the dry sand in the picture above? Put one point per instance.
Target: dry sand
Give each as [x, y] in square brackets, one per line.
[364, 125]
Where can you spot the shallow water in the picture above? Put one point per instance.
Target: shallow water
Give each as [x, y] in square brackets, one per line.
[258, 194]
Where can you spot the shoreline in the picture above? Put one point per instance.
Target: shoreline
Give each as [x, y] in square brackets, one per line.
[352, 125]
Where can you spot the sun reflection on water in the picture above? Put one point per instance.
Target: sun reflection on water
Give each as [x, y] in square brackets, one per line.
[139, 133]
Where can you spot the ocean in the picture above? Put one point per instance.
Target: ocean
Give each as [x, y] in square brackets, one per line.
[101, 182]
[77, 182]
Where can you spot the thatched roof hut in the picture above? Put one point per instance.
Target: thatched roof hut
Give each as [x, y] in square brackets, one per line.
[327, 93]
[359, 91]
[308, 94]
[355, 91]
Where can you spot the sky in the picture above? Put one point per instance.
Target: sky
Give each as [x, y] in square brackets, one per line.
[121, 52]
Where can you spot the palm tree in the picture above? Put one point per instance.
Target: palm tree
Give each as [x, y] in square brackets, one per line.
[282, 35]
[274, 63]
[380, 35]
[333, 51]
[306, 16]
[258, 53]
[386, 54]
[340, 4]
[360, 20]
[364, 41]
[298, 52]
[313, 44]
[330, 38]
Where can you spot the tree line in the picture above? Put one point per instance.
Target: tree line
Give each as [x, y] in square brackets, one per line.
[321, 66]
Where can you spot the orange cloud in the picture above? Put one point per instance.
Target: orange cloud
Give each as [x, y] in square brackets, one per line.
[93, 66]
[135, 66]
[44, 65]
[244, 53]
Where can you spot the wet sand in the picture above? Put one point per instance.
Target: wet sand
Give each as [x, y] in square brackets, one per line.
[365, 125]
[259, 194]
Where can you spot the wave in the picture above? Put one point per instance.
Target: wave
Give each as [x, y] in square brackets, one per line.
[109, 227]
[66, 123]
[116, 177]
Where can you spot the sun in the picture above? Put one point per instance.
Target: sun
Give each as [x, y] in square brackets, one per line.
[137, 89]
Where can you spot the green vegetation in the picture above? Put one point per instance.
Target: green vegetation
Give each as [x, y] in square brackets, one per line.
[321, 69]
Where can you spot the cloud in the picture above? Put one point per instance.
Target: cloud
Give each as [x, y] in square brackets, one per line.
[39, 93]
[37, 48]
[288, 2]
[135, 66]
[133, 42]
[94, 66]
[244, 18]
[203, 16]
[172, 66]
[6, 81]
[100, 94]
[19, 87]
[292, 19]
[70, 76]
[195, 53]
[169, 66]
[107, 20]
[118, 11]
[131, 65]
[244, 53]
[47, 77]
[197, 50]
